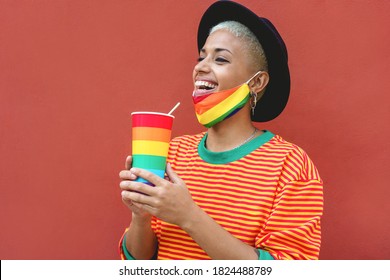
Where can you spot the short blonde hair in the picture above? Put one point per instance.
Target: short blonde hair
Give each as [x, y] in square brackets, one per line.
[253, 45]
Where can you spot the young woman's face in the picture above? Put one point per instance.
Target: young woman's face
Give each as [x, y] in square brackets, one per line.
[223, 64]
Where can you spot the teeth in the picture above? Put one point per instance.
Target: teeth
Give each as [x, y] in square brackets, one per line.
[199, 84]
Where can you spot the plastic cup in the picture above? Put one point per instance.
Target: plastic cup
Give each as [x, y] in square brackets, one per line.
[151, 134]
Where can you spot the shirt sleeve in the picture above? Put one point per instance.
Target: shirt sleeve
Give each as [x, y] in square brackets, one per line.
[124, 253]
[264, 255]
[293, 229]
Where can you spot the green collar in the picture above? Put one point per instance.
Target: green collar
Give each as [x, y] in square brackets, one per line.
[234, 154]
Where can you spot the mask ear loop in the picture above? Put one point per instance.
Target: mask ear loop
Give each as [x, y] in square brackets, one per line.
[251, 78]
[253, 100]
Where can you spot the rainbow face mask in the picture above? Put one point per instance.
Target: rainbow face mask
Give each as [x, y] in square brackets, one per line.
[215, 107]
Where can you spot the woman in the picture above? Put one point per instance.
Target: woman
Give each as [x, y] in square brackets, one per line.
[235, 192]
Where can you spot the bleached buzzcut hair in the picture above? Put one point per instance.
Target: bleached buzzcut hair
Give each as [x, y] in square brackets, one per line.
[252, 43]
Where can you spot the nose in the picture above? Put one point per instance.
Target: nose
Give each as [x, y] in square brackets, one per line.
[202, 66]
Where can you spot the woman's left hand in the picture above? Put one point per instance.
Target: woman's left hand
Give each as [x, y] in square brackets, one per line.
[170, 201]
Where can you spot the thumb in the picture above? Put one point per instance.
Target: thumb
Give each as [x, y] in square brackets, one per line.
[172, 175]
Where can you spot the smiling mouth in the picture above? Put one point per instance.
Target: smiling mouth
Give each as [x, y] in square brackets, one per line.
[204, 87]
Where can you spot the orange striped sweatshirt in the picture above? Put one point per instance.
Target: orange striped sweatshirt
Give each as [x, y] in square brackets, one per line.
[267, 193]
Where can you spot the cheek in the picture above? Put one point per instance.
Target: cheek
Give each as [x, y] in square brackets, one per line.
[229, 78]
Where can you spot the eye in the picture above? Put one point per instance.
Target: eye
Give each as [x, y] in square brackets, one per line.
[200, 59]
[221, 60]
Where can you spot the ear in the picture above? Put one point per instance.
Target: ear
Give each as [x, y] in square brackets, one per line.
[259, 83]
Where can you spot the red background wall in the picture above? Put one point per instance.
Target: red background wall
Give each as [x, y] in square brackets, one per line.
[72, 71]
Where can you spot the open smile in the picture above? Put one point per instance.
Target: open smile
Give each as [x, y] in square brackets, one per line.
[204, 87]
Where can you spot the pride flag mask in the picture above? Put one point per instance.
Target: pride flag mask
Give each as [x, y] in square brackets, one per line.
[215, 107]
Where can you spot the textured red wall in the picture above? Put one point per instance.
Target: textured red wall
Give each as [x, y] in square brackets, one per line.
[72, 71]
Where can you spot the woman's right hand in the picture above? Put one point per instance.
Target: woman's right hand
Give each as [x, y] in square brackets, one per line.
[126, 176]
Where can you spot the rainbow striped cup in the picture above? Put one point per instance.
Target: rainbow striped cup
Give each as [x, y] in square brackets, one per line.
[151, 133]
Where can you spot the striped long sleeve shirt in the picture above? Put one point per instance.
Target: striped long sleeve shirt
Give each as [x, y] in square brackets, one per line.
[267, 193]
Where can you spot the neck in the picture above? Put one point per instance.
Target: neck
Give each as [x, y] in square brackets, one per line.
[230, 134]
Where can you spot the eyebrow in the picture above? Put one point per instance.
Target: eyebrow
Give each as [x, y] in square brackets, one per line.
[217, 50]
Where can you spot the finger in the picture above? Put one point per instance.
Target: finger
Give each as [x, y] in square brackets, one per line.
[125, 185]
[144, 207]
[172, 175]
[128, 162]
[140, 188]
[139, 205]
[127, 175]
[137, 197]
[125, 199]
[148, 176]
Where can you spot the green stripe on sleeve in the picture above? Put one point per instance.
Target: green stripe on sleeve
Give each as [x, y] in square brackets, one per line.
[129, 256]
[125, 251]
[264, 255]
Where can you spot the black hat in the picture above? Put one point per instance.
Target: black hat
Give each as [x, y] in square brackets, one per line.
[278, 89]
